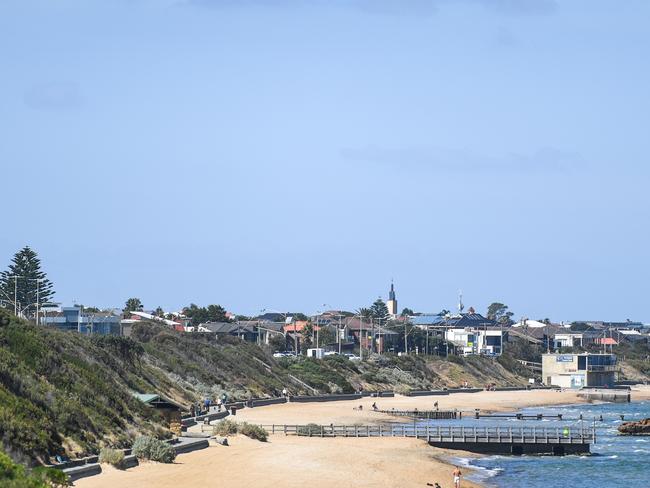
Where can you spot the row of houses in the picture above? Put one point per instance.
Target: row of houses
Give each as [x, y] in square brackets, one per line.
[462, 333]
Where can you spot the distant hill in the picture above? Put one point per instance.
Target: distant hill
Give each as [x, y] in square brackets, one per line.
[63, 392]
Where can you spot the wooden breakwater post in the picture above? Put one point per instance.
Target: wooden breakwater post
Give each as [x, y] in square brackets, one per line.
[425, 414]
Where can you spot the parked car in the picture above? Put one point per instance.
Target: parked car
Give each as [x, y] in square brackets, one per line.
[282, 354]
[352, 357]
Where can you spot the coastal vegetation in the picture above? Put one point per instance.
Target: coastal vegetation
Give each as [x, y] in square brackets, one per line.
[114, 457]
[13, 475]
[152, 449]
[228, 427]
[253, 431]
[225, 428]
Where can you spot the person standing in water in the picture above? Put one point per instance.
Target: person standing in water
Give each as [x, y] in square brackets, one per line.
[457, 474]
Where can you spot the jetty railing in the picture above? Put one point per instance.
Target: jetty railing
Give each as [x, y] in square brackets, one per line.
[432, 433]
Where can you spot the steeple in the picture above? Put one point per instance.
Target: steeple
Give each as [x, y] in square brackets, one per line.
[392, 301]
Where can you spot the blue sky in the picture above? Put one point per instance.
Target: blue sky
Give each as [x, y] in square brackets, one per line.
[284, 155]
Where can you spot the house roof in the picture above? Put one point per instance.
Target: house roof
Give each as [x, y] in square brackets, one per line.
[154, 400]
[427, 319]
[469, 320]
[607, 341]
[229, 327]
[298, 326]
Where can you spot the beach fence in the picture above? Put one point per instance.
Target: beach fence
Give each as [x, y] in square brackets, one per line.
[487, 440]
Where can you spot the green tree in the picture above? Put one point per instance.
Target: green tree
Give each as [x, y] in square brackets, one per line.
[24, 284]
[211, 313]
[365, 313]
[379, 310]
[407, 312]
[499, 313]
[307, 336]
[278, 343]
[326, 335]
[132, 305]
[159, 312]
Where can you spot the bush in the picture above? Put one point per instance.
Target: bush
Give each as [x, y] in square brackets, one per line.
[225, 428]
[114, 457]
[253, 431]
[152, 449]
[14, 475]
[309, 429]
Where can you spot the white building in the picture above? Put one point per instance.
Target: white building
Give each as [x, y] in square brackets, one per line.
[476, 341]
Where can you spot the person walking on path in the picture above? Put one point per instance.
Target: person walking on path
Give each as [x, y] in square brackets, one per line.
[457, 474]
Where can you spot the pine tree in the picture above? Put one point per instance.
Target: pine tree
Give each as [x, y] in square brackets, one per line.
[378, 309]
[24, 284]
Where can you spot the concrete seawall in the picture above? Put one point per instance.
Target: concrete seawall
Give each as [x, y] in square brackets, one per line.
[324, 398]
[261, 402]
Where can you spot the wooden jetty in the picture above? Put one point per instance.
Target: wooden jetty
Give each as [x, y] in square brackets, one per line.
[425, 414]
[518, 416]
[556, 441]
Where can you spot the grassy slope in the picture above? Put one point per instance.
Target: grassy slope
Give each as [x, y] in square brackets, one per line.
[64, 392]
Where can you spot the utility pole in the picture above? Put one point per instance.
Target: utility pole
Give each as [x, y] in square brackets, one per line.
[15, 277]
[360, 336]
[340, 330]
[406, 347]
[427, 342]
[38, 301]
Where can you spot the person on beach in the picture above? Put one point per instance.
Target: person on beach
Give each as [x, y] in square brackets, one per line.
[457, 474]
[374, 406]
[435, 406]
[284, 392]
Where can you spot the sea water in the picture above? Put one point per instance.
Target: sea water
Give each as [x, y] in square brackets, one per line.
[615, 461]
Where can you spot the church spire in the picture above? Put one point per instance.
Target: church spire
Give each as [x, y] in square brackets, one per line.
[392, 301]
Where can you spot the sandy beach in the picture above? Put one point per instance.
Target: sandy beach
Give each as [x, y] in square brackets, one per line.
[291, 462]
[342, 462]
[343, 412]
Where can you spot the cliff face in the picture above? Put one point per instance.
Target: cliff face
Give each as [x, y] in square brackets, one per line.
[62, 392]
[642, 427]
